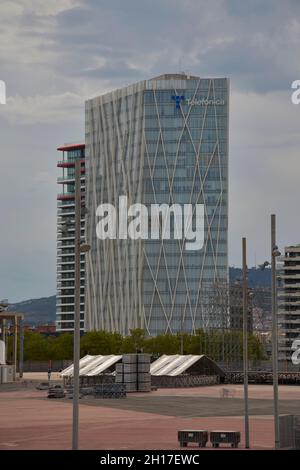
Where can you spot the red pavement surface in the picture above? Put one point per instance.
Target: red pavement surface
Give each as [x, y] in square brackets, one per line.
[28, 421]
[286, 392]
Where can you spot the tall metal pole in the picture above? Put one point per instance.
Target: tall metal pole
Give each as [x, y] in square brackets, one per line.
[15, 346]
[274, 330]
[245, 341]
[181, 335]
[4, 339]
[21, 352]
[76, 336]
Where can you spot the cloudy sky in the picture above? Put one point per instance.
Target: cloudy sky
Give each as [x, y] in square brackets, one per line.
[56, 53]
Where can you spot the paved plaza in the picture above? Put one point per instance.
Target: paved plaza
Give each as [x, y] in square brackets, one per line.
[141, 421]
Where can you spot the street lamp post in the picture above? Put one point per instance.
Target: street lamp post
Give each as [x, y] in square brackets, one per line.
[76, 337]
[181, 333]
[79, 249]
[245, 340]
[274, 254]
[4, 338]
[15, 345]
[21, 351]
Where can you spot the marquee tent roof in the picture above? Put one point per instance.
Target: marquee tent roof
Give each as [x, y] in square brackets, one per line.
[92, 365]
[176, 364]
[166, 365]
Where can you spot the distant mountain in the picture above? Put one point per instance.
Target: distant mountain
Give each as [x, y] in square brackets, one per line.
[256, 277]
[36, 311]
[43, 310]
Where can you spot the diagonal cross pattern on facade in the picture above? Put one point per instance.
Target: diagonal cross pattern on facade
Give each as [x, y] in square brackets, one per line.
[139, 143]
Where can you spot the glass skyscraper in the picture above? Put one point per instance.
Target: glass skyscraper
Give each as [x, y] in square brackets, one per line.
[65, 294]
[163, 140]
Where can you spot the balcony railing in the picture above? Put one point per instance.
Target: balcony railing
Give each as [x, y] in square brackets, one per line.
[69, 195]
[70, 180]
[68, 163]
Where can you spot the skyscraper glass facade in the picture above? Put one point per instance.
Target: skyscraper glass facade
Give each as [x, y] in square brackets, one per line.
[163, 140]
[65, 294]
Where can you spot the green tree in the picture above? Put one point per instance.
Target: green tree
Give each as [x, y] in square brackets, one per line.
[134, 342]
[256, 349]
[163, 344]
[61, 347]
[217, 344]
[100, 342]
[36, 347]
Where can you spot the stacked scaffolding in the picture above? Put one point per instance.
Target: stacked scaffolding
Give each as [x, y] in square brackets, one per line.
[134, 372]
[221, 319]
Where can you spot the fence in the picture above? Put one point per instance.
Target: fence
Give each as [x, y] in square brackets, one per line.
[259, 366]
[261, 377]
[43, 366]
[165, 381]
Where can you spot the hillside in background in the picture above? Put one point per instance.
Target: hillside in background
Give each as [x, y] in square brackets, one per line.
[256, 277]
[42, 311]
[36, 311]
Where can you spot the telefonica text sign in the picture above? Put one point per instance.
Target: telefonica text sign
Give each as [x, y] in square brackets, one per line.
[204, 102]
[196, 101]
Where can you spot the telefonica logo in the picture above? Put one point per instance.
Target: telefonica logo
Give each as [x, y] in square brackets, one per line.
[178, 99]
[114, 223]
[2, 92]
[205, 102]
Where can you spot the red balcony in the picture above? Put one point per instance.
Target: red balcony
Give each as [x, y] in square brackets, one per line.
[65, 196]
[69, 164]
[69, 147]
[69, 196]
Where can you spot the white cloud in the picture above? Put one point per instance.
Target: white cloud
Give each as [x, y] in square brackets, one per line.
[43, 109]
[264, 171]
[11, 9]
[25, 27]
[55, 54]
[264, 120]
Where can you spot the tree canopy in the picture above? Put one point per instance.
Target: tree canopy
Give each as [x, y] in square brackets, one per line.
[217, 344]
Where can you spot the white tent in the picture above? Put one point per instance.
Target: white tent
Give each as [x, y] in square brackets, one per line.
[92, 365]
[166, 365]
[176, 364]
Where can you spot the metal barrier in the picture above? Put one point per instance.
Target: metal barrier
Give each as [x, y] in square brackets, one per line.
[260, 377]
[289, 432]
[116, 390]
[225, 437]
[200, 437]
[166, 381]
[56, 392]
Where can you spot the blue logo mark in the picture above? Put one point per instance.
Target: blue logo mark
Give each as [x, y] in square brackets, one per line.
[178, 99]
